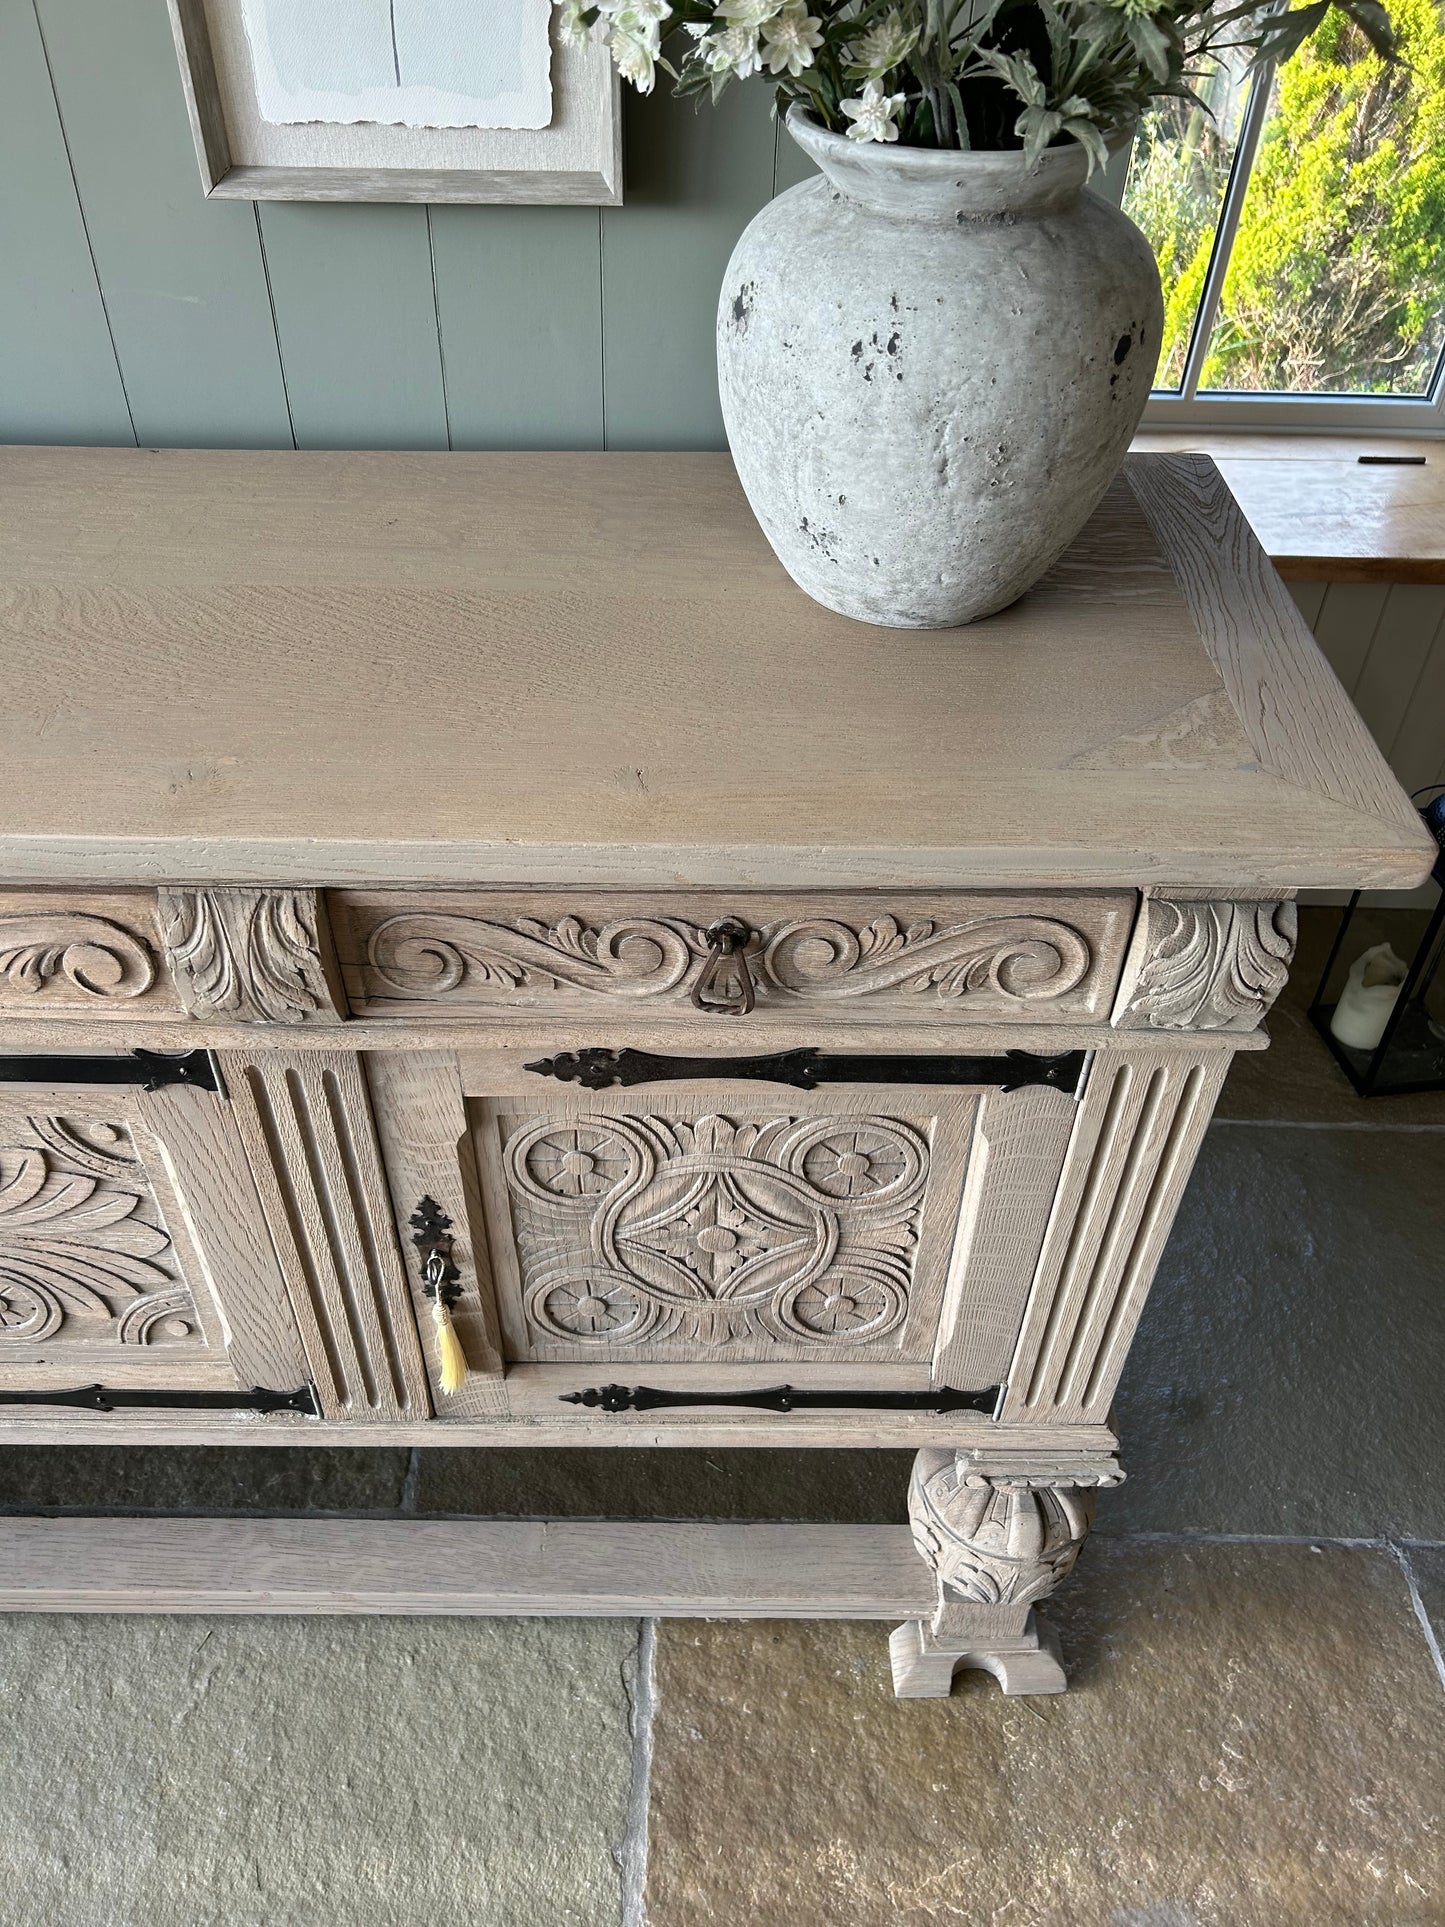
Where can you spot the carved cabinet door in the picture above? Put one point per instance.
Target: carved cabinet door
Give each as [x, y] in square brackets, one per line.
[133, 1253]
[859, 1233]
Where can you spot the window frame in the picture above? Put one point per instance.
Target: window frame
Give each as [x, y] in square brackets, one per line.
[1186, 407]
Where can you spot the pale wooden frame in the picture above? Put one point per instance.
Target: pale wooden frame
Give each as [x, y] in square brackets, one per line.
[588, 169]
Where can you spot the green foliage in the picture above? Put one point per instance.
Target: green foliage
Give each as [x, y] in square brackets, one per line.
[1336, 281]
[961, 73]
[1337, 278]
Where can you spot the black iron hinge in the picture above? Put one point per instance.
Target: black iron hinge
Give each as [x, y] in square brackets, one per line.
[787, 1398]
[598, 1069]
[102, 1398]
[150, 1069]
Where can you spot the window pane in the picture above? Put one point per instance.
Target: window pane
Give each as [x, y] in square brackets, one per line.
[1336, 282]
[1177, 177]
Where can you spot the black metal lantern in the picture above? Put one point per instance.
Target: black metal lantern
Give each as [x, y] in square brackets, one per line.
[1383, 1015]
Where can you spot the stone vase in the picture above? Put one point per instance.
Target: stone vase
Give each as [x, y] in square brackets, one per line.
[931, 366]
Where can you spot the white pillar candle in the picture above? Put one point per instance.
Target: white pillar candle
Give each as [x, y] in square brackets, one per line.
[1368, 998]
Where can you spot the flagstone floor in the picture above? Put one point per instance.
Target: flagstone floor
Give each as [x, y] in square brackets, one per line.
[1254, 1734]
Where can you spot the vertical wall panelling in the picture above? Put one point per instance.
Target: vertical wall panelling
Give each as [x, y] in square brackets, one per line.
[58, 376]
[352, 292]
[519, 297]
[694, 180]
[1403, 635]
[1308, 596]
[184, 281]
[1417, 748]
[1345, 626]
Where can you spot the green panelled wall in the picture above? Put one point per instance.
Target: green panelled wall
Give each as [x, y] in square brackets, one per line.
[133, 309]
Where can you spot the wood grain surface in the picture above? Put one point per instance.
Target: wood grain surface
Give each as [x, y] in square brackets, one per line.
[210, 684]
[484, 1566]
[1323, 514]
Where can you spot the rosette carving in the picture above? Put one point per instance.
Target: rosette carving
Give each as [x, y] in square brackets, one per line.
[637, 1230]
[90, 954]
[995, 1541]
[1206, 966]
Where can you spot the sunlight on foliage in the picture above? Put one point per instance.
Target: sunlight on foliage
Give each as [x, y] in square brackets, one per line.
[1336, 282]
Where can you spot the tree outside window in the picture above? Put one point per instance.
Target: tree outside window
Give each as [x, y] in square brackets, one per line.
[1300, 228]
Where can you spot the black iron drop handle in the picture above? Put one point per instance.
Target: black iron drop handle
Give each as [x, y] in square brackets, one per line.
[724, 986]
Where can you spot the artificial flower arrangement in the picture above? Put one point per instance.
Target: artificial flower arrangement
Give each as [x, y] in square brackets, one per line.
[955, 73]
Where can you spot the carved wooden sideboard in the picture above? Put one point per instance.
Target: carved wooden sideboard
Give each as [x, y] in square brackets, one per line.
[487, 878]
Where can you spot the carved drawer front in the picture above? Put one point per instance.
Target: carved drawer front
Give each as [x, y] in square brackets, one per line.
[132, 1251]
[909, 957]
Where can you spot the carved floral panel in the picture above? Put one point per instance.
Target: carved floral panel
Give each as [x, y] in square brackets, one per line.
[741, 1234]
[85, 1258]
[949, 955]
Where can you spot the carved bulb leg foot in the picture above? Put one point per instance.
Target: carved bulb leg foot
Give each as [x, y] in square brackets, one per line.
[924, 1664]
[996, 1543]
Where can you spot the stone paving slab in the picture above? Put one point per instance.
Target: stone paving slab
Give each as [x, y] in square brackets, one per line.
[1253, 1737]
[1427, 1566]
[1286, 1375]
[212, 1772]
[862, 1488]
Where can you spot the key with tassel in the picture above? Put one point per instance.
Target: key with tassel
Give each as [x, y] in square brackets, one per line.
[441, 1281]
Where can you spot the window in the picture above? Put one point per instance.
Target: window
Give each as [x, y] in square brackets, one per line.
[1300, 231]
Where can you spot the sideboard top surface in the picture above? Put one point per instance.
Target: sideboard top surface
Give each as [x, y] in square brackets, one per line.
[330, 668]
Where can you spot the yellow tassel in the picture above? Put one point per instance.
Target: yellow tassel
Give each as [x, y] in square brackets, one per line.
[449, 1344]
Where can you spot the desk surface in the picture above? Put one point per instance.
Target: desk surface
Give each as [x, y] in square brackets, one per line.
[534, 668]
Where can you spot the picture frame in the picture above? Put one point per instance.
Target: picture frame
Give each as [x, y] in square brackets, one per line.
[576, 160]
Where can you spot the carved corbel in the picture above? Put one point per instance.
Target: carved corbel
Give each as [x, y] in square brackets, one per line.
[1205, 965]
[251, 956]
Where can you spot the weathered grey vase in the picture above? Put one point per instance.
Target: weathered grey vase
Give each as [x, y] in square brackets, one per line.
[931, 367]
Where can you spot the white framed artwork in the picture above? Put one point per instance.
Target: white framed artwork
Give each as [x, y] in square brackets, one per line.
[396, 100]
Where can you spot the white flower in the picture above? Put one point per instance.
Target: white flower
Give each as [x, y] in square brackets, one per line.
[872, 116]
[732, 52]
[792, 38]
[883, 46]
[634, 47]
[748, 13]
[638, 13]
[572, 26]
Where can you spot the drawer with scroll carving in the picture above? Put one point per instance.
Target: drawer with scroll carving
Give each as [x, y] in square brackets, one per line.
[882, 957]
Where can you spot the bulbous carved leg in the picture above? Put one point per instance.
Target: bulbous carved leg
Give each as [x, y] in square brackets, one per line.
[996, 1543]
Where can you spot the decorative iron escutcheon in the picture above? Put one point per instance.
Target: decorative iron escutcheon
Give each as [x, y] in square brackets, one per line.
[101, 1398]
[431, 1233]
[787, 1398]
[150, 1069]
[598, 1069]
